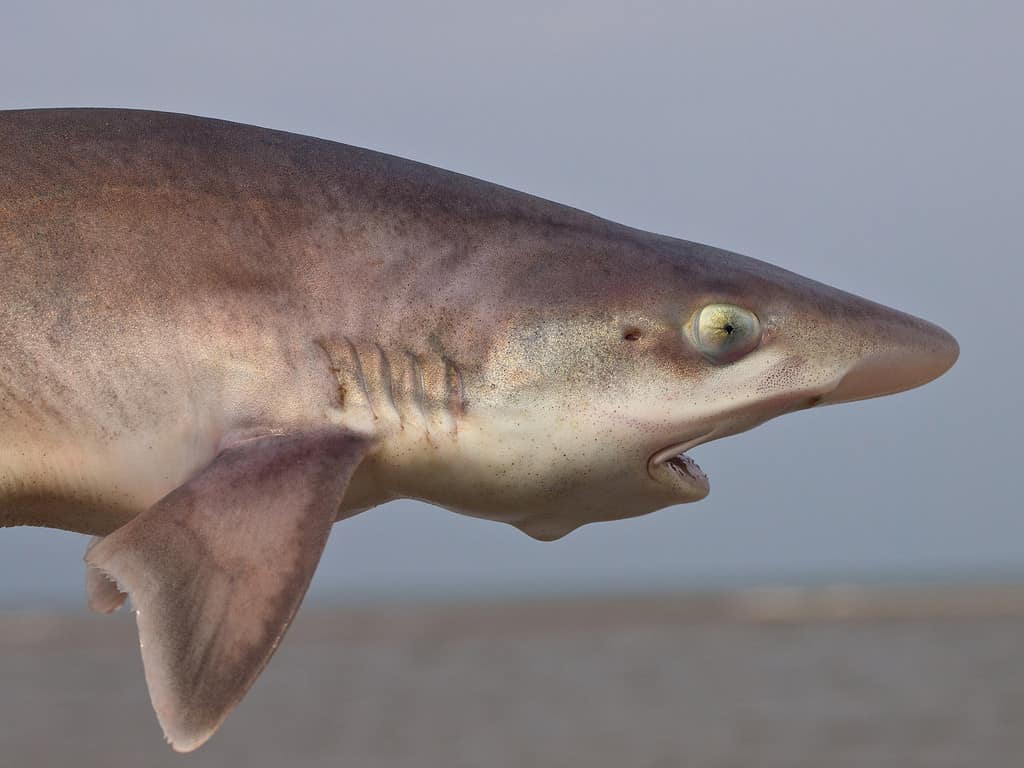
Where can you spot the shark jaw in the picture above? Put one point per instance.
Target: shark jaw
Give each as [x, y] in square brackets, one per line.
[672, 467]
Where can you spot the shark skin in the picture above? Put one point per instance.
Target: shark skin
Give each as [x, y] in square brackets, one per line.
[216, 340]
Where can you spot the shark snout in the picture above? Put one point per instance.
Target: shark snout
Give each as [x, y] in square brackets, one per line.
[912, 352]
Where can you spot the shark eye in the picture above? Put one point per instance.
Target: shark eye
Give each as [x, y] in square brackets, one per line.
[725, 332]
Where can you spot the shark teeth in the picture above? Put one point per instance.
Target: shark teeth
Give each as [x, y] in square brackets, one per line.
[686, 467]
[671, 466]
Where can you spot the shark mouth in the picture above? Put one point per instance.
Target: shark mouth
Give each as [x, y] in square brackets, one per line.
[672, 467]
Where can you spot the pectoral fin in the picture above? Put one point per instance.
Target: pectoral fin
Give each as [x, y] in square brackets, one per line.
[217, 569]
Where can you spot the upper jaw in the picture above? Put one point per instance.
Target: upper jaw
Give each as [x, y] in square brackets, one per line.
[681, 447]
[686, 478]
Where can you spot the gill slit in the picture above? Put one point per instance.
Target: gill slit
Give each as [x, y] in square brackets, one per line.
[387, 382]
[454, 393]
[418, 389]
[357, 369]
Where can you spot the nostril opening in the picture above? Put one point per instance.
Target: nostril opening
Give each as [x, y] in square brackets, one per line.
[631, 334]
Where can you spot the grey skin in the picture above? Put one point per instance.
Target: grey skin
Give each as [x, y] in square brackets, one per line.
[216, 340]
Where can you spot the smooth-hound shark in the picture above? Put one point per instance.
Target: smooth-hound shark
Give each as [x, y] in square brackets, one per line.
[217, 340]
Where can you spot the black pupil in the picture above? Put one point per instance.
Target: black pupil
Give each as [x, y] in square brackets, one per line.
[728, 328]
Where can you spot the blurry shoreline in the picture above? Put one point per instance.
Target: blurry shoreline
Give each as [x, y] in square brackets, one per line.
[369, 620]
[776, 677]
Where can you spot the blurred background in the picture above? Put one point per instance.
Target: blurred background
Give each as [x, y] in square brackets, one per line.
[848, 591]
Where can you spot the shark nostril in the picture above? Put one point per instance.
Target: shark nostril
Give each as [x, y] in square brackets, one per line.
[631, 334]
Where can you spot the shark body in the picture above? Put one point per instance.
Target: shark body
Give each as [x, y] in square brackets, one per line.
[217, 340]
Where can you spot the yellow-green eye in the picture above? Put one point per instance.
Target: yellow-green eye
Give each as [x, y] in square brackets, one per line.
[725, 332]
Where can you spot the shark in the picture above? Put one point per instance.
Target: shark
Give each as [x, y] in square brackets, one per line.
[217, 340]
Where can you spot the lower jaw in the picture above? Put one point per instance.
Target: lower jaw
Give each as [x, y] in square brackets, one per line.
[682, 475]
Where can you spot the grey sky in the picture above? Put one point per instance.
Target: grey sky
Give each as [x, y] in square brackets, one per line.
[873, 146]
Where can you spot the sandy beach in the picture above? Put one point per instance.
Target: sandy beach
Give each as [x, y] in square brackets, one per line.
[776, 678]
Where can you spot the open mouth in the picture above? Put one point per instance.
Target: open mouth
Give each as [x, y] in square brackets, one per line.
[671, 466]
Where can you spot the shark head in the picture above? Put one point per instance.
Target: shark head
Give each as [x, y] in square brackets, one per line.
[611, 360]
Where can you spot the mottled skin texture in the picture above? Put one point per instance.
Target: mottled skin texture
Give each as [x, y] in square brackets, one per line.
[174, 285]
